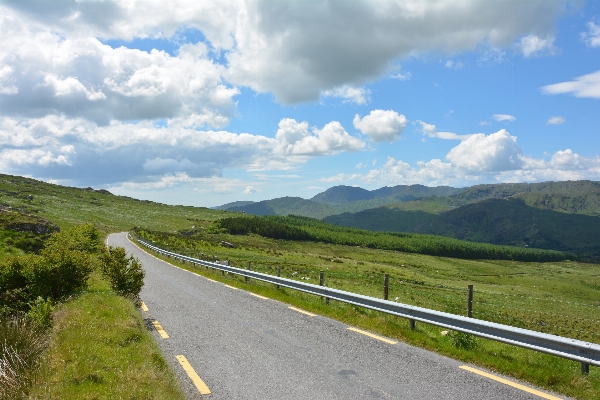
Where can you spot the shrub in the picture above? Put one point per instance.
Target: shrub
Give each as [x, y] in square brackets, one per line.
[125, 274]
[463, 341]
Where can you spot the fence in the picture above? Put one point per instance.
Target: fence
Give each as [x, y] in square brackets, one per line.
[577, 350]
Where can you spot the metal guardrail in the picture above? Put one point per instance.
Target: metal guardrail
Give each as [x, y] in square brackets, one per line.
[577, 350]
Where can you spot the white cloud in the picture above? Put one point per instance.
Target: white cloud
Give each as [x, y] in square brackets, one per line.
[70, 85]
[503, 117]
[531, 45]
[555, 120]
[431, 131]
[295, 139]
[454, 65]
[250, 190]
[381, 125]
[583, 86]
[592, 36]
[488, 158]
[496, 152]
[401, 76]
[349, 94]
[484, 123]
[7, 81]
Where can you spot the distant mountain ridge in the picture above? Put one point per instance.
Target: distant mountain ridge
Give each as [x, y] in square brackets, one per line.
[345, 194]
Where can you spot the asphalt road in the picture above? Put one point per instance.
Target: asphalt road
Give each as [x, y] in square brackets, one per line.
[245, 347]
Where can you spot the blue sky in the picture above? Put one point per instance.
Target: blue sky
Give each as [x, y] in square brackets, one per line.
[203, 104]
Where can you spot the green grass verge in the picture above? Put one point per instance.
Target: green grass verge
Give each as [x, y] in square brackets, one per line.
[542, 370]
[101, 349]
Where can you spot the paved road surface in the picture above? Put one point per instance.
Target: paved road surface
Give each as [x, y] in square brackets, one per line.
[245, 347]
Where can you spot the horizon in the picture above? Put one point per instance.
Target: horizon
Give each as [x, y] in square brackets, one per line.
[199, 104]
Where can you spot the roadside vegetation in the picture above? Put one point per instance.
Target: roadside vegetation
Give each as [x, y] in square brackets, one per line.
[56, 302]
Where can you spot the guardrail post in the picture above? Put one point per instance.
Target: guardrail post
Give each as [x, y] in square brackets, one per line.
[385, 286]
[470, 301]
[278, 274]
[585, 368]
[246, 279]
[322, 283]
[412, 324]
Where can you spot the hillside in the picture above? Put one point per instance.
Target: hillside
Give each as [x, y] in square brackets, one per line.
[345, 194]
[233, 204]
[67, 206]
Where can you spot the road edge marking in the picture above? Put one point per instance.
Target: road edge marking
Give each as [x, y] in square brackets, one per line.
[510, 383]
[160, 330]
[230, 287]
[259, 296]
[302, 311]
[144, 306]
[187, 367]
[372, 335]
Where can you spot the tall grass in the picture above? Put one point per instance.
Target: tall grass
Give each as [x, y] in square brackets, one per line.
[22, 344]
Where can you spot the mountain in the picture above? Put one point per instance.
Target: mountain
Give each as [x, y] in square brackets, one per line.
[285, 206]
[512, 222]
[232, 204]
[338, 195]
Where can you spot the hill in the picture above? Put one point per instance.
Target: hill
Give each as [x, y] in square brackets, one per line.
[67, 206]
[346, 194]
[233, 204]
[285, 206]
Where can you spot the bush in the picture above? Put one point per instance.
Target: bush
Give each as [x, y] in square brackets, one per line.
[60, 269]
[125, 274]
[463, 341]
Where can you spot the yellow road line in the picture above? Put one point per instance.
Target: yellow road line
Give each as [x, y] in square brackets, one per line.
[199, 383]
[301, 311]
[510, 383]
[259, 296]
[208, 279]
[230, 287]
[373, 335]
[144, 307]
[160, 330]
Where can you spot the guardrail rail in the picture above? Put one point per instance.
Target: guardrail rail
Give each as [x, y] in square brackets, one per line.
[577, 350]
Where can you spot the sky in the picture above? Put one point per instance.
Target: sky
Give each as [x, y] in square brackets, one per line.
[205, 103]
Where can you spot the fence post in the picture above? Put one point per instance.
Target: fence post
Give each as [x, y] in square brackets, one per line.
[246, 279]
[385, 286]
[322, 283]
[470, 301]
[412, 324]
[278, 274]
[585, 368]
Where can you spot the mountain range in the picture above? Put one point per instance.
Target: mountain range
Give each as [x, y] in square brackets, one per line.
[549, 215]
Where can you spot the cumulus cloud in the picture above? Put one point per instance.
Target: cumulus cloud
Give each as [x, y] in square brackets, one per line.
[431, 131]
[76, 149]
[349, 94]
[556, 120]
[495, 157]
[504, 117]
[295, 139]
[583, 86]
[250, 190]
[592, 36]
[45, 72]
[381, 125]
[532, 45]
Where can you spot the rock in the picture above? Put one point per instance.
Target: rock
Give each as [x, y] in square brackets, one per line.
[443, 333]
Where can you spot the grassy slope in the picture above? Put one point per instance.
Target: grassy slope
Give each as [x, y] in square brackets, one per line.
[70, 206]
[101, 348]
[504, 291]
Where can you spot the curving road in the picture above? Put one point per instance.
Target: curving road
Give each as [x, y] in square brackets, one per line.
[245, 347]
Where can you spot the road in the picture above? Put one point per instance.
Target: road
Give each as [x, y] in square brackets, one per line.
[246, 347]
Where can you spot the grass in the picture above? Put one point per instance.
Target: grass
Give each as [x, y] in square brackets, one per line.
[101, 349]
[561, 295]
